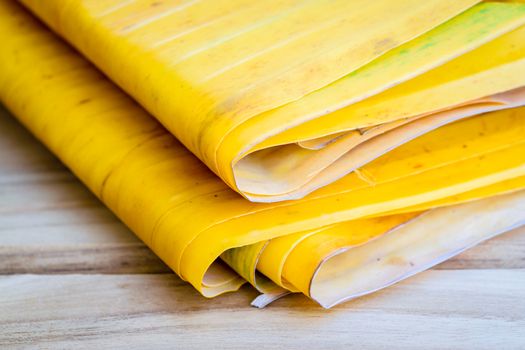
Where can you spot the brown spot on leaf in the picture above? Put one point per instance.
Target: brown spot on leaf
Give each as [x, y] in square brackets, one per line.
[383, 45]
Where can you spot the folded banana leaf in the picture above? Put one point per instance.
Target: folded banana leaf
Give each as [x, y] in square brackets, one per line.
[408, 209]
[283, 97]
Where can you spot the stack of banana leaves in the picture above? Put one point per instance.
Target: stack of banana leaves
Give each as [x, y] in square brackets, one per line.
[327, 147]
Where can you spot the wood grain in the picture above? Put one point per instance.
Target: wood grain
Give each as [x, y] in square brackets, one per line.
[436, 310]
[73, 276]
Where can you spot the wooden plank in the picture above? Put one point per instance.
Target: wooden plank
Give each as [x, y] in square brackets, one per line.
[505, 252]
[435, 310]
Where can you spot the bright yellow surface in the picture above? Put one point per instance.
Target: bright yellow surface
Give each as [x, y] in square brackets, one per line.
[228, 78]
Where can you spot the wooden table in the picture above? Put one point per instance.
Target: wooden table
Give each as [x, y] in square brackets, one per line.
[72, 276]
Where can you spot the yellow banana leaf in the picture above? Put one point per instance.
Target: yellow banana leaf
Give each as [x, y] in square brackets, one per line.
[345, 269]
[190, 218]
[269, 258]
[281, 98]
